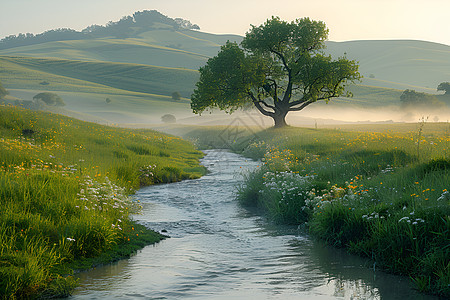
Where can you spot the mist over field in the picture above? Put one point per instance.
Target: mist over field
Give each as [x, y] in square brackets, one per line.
[139, 62]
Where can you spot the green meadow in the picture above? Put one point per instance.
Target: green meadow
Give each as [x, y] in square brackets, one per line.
[64, 196]
[87, 76]
[143, 70]
[380, 191]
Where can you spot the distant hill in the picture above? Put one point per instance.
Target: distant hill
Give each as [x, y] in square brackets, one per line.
[64, 75]
[148, 56]
[176, 49]
[126, 27]
[406, 62]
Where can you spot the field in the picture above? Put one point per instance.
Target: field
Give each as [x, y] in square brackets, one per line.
[85, 76]
[380, 191]
[140, 73]
[64, 195]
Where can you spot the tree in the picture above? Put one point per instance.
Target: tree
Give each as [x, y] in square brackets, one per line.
[168, 118]
[3, 91]
[49, 99]
[444, 86]
[413, 99]
[176, 96]
[278, 68]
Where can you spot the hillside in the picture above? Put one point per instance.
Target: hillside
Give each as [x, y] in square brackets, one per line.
[404, 62]
[393, 64]
[130, 77]
[142, 67]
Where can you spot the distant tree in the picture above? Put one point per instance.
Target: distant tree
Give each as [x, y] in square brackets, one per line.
[49, 98]
[108, 100]
[411, 98]
[278, 69]
[168, 118]
[176, 96]
[3, 91]
[185, 24]
[444, 86]
[147, 18]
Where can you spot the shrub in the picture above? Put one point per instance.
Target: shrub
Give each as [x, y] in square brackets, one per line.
[49, 98]
[168, 118]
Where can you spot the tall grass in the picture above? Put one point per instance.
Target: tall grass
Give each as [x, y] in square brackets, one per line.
[382, 193]
[64, 187]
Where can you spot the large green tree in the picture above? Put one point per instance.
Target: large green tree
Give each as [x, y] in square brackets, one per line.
[277, 68]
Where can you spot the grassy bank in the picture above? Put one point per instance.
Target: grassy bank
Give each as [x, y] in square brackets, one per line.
[381, 192]
[64, 187]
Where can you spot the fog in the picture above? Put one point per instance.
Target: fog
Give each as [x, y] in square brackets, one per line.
[314, 117]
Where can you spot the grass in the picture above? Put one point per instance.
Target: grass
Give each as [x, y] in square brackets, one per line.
[143, 96]
[167, 48]
[157, 63]
[64, 196]
[121, 109]
[379, 191]
[74, 75]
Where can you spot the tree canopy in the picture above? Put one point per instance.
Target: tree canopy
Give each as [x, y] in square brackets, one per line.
[413, 99]
[444, 86]
[49, 99]
[277, 68]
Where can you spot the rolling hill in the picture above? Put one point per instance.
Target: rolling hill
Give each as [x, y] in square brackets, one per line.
[401, 63]
[141, 70]
[162, 47]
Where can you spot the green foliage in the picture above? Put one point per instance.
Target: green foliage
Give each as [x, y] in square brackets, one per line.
[444, 86]
[63, 196]
[412, 99]
[49, 98]
[278, 69]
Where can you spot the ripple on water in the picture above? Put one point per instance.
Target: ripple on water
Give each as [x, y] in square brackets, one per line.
[219, 250]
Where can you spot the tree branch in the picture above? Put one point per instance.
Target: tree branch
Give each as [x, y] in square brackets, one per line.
[257, 104]
[275, 93]
[305, 104]
[283, 59]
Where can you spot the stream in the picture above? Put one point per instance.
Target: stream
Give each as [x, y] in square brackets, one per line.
[219, 250]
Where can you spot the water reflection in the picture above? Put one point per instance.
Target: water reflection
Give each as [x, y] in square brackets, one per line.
[219, 250]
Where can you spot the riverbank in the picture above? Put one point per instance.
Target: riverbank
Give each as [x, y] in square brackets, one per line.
[64, 196]
[219, 250]
[380, 192]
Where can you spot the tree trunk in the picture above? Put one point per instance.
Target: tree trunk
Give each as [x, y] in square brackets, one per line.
[280, 120]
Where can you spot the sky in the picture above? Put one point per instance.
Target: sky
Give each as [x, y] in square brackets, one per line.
[346, 19]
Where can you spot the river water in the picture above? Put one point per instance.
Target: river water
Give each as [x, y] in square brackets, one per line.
[219, 250]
